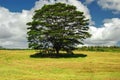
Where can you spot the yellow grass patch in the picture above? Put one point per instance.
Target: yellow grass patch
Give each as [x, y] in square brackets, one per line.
[18, 65]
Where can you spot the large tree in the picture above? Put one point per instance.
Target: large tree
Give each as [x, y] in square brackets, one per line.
[58, 26]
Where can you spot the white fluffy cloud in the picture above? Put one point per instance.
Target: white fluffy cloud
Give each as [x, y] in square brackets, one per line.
[110, 4]
[107, 35]
[13, 26]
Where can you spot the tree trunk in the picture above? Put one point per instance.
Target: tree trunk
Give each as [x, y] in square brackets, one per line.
[57, 51]
[57, 48]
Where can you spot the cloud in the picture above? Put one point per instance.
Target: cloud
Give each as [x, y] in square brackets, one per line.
[107, 35]
[13, 26]
[110, 4]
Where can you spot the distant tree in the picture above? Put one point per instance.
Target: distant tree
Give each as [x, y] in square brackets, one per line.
[1, 47]
[58, 26]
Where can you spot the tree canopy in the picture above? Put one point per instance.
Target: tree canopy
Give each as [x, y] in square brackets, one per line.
[58, 26]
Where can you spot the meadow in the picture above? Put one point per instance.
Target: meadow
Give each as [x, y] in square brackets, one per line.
[96, 65]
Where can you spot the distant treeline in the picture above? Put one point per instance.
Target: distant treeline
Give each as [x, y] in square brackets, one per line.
[99, 48]
[2, 48]
[13, 49]
[84, 48]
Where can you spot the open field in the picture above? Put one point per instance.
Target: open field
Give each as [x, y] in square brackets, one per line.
[18, 65]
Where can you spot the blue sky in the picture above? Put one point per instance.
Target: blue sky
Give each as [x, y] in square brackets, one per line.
[105, 14]
[98, 14]
[17, 5]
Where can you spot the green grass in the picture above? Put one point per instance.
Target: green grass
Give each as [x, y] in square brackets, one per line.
[18, 65]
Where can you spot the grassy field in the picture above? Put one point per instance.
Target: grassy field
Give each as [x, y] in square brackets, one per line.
[18, 65]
